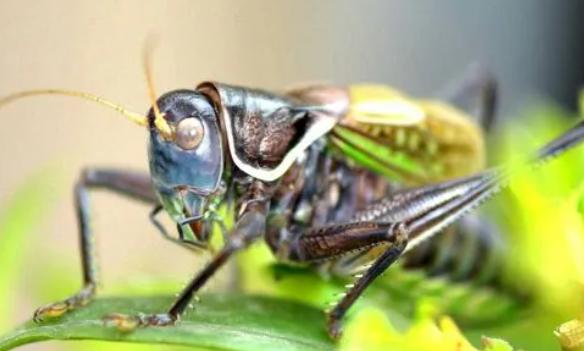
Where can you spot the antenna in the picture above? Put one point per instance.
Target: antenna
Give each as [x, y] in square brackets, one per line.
[137, 118]
[159, 120]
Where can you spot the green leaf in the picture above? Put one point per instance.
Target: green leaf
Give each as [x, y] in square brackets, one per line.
[219, 322]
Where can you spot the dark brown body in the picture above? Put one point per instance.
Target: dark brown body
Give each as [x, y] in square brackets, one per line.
[323, 188]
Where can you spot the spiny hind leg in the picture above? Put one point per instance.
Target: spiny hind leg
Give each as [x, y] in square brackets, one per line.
[337, 313]
[135, 185]
[470, 250]
[336, 240]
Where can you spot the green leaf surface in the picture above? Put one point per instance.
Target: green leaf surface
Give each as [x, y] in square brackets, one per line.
[219, 322]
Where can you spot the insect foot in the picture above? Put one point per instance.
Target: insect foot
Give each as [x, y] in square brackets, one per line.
[128, 323]
[58, 309]
[334, 326]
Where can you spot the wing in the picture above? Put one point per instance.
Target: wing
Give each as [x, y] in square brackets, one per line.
[381, 105]
[411, 141]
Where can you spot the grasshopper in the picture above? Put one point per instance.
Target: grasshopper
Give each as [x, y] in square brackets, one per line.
[340, 177]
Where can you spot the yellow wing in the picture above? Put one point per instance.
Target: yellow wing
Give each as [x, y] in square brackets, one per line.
[379, 104]
[427, 137]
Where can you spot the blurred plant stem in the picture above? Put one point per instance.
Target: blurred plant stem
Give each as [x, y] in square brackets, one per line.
[20, 218]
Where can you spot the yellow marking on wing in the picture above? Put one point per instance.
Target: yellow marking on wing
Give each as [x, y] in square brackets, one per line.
[381, 105]
[458, 137]
[440, 137]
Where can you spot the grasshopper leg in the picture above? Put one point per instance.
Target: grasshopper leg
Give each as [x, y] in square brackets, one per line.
[249, 227]
[331, 241]
[475, 92]
[387, 258]
[135, 185]
[181, 240]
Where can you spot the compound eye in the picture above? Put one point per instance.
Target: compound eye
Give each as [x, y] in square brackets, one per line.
[189, 133]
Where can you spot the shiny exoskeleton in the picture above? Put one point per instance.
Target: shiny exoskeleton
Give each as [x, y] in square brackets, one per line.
[346, 178]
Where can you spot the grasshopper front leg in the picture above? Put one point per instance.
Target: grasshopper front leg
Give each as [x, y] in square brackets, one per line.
[249, 226]
[134, 185]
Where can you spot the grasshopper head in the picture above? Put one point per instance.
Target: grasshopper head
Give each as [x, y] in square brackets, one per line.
[185, 152]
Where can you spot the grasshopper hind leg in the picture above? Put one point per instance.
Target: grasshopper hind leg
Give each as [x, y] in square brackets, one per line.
[471, 250]
[330, 242]
[134, 185]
